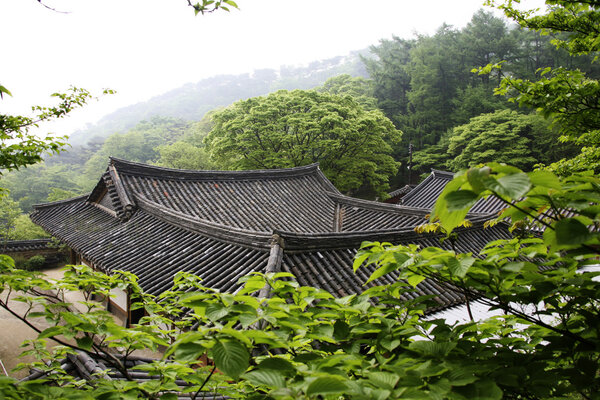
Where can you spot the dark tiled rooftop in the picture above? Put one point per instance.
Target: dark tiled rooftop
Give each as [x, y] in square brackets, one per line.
[222, 225]
[426, 193]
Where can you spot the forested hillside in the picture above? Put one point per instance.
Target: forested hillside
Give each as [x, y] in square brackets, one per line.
[193, 100]
[269, 299]
[429, 87]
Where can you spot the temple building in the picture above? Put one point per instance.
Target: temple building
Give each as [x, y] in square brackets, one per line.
[222, 225]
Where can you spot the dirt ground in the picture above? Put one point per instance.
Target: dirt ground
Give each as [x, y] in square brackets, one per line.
[14, 332]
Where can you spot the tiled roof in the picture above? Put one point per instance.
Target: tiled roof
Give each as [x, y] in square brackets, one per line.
[83, 366]
[425, 194]
[298, 199]
[223, 225]
[11, 246]
[326, 261]
[151, 246]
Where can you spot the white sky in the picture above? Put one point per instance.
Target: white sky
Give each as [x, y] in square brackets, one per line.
[142, 48]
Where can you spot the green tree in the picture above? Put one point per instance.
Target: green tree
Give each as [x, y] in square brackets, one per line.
[302, 342]
[183, 155]
[57, 194]
[361, 89]
[289, 129]
[390, 74]
[20, 147]
[35, 183]
[9, 212]
[140, 143]
[504, 136]
[25, 229]
[189, 152]
[570, 98]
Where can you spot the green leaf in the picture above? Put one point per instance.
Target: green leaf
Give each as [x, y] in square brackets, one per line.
[326, 385]
[461, 199]
[341, 330]
[4, 90]
[459, 267]
[49, 332]
[481, 390]
[462, 375]
[265, 377]
[570, 231]
[188, 351]
[476, 178]
[231, 357]
[435, 349]
[383, 270]
[360, 258]
[415, 279]
[512, 186]
[545, 179]
[513, 266]
[384, 380]
[448, 219]
[85, 342]
[276, 363]
[216, 311]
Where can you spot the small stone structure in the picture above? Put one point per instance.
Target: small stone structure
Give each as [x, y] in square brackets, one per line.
[50, 249]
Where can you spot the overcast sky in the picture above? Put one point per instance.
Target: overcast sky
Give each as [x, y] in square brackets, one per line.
[142, 48]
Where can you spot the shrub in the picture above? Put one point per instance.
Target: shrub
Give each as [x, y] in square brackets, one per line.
[35, 263]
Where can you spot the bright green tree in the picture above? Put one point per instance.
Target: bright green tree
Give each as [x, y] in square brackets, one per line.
[290, 129]
[182, 155]
[522, 140]
[361, 89]
[9, 212]
[139, 144]
[25, 229]
[570, 97]
[20, 147]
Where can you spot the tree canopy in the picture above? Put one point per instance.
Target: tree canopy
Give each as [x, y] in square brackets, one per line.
[570, 97]
[522, 140]
[290, 129]
[19, 147]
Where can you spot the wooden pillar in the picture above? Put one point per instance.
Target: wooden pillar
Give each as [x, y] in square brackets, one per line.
[274, 262]
[338, 217]
[72, 256]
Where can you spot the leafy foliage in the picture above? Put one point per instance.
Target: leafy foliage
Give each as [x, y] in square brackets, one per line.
[360, 89]
[209, 6]
[504, 136]
[289, 129]
[570, 97]
[302, 342]
[427, 88]
[19, 147]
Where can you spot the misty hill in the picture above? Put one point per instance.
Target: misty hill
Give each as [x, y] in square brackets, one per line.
[193, 100]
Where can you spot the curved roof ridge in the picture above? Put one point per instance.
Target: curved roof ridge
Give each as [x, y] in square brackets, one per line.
[135, 168]
[373, 205]
[435, 173]
[55, 203]
[333, 240]
[245, 237]
[444, 174]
